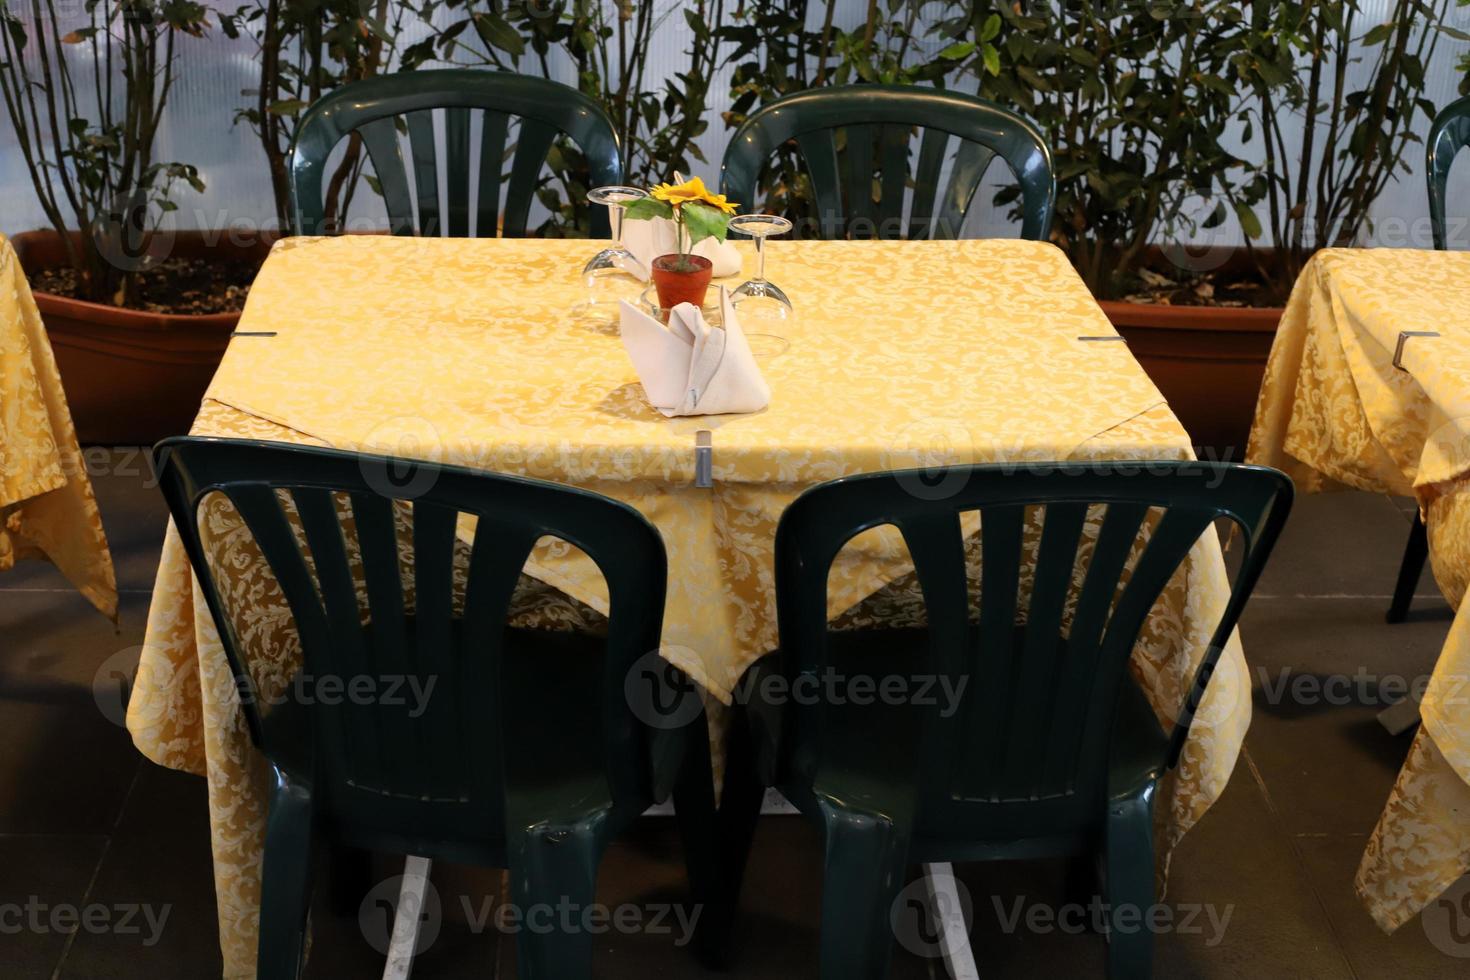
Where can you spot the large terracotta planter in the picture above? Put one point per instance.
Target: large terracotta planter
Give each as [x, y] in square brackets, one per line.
[132, 377]
[1207, 361]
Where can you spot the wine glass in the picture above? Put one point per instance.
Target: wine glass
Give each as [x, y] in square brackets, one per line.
[609, 262]
[759, 295]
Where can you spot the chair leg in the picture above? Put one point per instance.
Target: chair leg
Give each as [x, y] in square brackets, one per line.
[699, 832]
[866, 856]
[553, 882]
[740, 810]
[1129, 886]
[1416, 551]
[351, 871]
[285, 892]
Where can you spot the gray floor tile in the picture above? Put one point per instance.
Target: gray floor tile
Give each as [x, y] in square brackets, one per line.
[1347, 543]
[1322, 669]
[65, 761]
[1410, 953]
[43, 884]
[159, 892]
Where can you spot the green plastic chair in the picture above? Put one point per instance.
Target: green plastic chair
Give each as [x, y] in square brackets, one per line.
[877, 122]
[377, 107]
[526, 753]
[1448, 135]
[1052, 748]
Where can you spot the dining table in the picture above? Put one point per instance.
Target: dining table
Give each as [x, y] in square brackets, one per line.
[48, 510]
[492, 354]
[1368, 387]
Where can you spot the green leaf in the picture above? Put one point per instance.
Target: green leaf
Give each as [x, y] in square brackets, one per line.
[647, 208]
[958, 50]
[496, 32]
[1249, 223]
[991, 56]
[1378, 34]
[991, 28]
[286, 107]
[702, 221]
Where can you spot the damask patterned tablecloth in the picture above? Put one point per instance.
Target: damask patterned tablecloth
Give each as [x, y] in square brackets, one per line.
[483, 353]
[46, 505]
[1335, 412]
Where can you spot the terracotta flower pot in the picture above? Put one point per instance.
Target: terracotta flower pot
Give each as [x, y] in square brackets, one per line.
[1206, 361]
[132, 377]
[681, 279]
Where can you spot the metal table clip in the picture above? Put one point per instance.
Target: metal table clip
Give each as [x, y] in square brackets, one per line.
[704, 460]
[1404, 335]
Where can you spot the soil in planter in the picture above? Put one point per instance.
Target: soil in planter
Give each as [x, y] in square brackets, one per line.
[176, 285]
[1200, 289]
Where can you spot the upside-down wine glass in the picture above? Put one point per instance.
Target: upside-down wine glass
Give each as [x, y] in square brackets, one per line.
[760, 296]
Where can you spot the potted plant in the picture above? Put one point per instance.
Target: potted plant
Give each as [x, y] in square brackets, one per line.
[108, 275]
[680, 277]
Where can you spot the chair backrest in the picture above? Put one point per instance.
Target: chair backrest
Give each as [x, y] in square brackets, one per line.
[379, 108]
[375, 762]
[1448, 135]
[876, 124]
[1039, 676]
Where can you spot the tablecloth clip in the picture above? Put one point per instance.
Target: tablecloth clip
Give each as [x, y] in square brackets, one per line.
[1404, 335]
[1106, 337]
[252, 333]
[704, 460]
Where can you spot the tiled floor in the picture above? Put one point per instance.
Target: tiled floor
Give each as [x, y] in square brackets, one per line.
[85, 822]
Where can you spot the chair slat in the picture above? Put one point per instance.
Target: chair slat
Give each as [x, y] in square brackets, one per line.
[819, 150]
[457, 165]
[1121, 524]
[433, 573]
[857, 166]
[498, 554]
[895, 172]
[425, 171]
[926, 182]
[356, 749]
[532, 143]
[970, 164]
[381, 138]
[377, 541]
[492, 164]
[1044, 647]
[990, 715]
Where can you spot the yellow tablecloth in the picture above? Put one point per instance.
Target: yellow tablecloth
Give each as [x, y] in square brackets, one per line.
[46, 505]
[1334, 412]
[479, 352]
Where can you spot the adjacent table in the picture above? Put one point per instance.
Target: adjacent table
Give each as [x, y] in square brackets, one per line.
[484, 353]
[46, 505]
[1335, 411]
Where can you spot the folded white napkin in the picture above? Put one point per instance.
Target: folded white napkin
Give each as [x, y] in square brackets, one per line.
[691, 368]
[649, 238]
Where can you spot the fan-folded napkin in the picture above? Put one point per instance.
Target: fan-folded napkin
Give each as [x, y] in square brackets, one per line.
[692, 368]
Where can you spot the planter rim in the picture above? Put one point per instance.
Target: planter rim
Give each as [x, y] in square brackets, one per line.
[698, 261]
[1229, 319]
